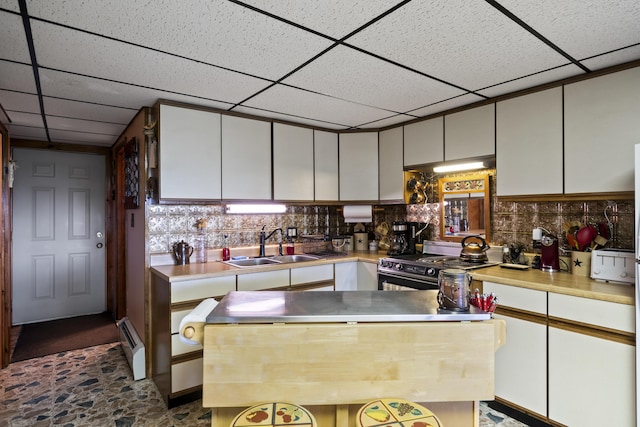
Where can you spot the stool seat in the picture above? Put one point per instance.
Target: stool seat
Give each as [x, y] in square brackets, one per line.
[395, 413]
[274, 414]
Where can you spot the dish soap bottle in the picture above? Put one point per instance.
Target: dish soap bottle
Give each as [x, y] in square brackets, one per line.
[226, 253]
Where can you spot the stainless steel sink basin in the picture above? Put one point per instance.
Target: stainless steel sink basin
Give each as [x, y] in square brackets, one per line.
[295, 258]
[279, 259]
[252, 262]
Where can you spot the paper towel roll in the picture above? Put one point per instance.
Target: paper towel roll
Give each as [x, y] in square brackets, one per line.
[358, 213]
[197, 315]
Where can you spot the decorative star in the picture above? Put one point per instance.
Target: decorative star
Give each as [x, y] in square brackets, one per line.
[577, 263]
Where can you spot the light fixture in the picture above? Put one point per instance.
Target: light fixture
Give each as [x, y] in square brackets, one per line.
[459, 167]
[249, 208]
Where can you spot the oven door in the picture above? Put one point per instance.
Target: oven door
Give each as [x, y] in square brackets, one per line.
[398, 282]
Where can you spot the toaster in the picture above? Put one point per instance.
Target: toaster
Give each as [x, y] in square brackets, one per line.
[613, 265]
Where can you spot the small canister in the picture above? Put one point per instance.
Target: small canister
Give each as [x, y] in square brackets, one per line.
[454, 291]
[361, 241]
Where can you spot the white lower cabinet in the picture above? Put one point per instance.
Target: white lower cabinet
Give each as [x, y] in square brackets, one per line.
[346, 276]
[591, 380]
[591, 362]
[521, 364]
[263, 280]
[367, 276]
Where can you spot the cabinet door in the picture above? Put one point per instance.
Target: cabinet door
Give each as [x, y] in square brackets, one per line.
[367, 276]
[521, 364]
[591, 380]
[424, 142]
[189, 152]
[246, 159]
[358, 166]
[346, 274]
[391, 161]
[529, 144]
[325, 149]
[263, 280]
[601, 128]
[470, 133]
[292, 163]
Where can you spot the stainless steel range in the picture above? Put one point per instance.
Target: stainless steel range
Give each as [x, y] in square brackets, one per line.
[420, 271]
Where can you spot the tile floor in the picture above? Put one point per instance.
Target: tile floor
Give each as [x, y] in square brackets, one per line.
[94, 387]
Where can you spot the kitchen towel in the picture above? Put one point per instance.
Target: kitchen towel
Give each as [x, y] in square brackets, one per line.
[197, 315]
[358, 213]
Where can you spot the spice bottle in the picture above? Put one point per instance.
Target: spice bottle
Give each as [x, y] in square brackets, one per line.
[226, 253]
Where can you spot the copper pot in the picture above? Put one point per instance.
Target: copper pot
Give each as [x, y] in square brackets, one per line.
[473, 251]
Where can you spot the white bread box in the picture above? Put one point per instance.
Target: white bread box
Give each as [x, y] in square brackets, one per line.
[613, 265]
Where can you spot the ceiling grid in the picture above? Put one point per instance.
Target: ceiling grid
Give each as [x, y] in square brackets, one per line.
[78, 71]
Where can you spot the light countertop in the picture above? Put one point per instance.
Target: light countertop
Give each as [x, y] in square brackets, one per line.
[178, 273]
[558, 282]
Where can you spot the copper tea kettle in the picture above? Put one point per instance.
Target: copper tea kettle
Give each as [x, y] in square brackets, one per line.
[474, 252]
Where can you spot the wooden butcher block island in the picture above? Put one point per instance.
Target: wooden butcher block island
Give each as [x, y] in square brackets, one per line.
[332, 352]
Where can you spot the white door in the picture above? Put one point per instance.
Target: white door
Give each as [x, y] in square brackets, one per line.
[58, 229]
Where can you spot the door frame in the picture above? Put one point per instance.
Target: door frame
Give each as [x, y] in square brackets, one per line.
[5, 251]
[6, 294]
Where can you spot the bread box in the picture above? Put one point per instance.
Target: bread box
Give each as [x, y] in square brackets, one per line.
[613, 265]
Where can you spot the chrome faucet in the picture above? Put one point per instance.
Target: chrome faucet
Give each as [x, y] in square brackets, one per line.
[264, 237]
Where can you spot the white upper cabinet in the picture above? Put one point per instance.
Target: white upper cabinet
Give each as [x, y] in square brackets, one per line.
[470, 133]
[325, 148]
[391, 161]
[358, 166]
[246, 159]
[602, 125]
[529, 144]
[292, 163]
[424, 142]
[189, 154]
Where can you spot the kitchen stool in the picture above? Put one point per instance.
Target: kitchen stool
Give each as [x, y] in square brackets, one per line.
[395, 411]
[272, 414]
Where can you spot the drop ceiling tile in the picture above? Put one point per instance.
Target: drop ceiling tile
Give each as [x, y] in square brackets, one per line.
[25, 132]
[470, 44]
[549, 76]
[582, 28]
[71, 137]
[458, 101]
[64, 123]
[26, 119]
[287, 100]
[355, 76]
[67, 50]
[88, 111]
[216, 32]
[17, 77]
[88, 89]
[18, 101]
[10, 4]
[613, 58]
[335, 18]
[288, 118]
[14, 45]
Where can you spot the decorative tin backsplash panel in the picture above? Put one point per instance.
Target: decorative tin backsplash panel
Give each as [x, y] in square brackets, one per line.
[172, 223]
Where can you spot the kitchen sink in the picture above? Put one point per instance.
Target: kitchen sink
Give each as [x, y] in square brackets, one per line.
[252, 262]
[279, 259]
[295, 258]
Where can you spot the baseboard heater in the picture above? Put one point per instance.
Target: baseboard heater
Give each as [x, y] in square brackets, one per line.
[133, 348]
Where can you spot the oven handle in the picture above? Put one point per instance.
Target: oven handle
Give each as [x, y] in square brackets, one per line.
[384, 275]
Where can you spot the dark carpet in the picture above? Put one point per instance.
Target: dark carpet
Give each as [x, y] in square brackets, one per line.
[55, 336]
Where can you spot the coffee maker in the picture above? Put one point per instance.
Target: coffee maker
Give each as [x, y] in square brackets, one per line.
[403, 238]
